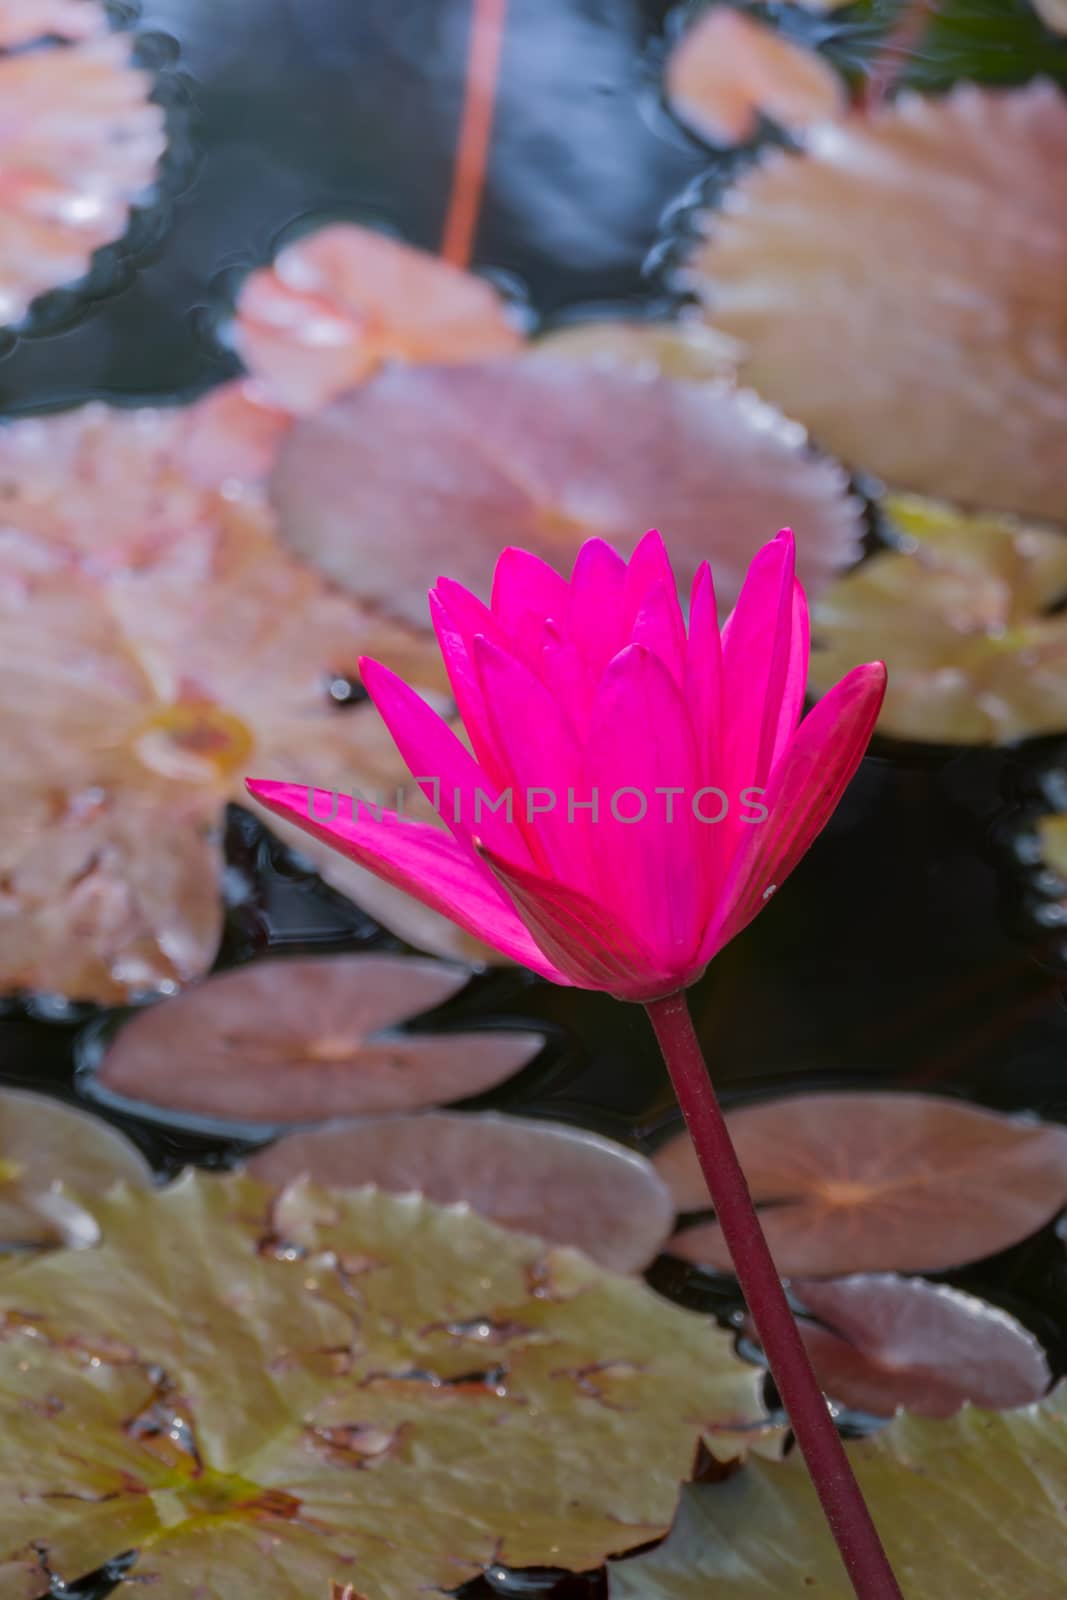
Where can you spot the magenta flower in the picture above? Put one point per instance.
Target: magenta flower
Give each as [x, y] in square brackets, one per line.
[637, 791]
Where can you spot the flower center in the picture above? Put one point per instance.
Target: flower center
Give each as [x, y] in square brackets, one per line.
[196, 741]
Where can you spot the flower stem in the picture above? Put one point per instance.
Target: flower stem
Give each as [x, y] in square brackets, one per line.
[472, 150]
[842, 1500]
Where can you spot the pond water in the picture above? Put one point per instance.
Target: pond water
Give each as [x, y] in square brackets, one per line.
[922, 944]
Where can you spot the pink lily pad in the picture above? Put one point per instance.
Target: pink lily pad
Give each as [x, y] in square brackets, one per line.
[727, 69]
[560, 1183]
[901, 288]
[880, 1342]
[79, 143]
[22, 21]
[422, 468]
[870, 1182]
[300, 1040]
[338, 304]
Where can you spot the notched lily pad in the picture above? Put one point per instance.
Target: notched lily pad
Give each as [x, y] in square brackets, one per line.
[879, 1343]
[973, 1506]
[79, 143]
[350, 1387]
[870, 1182]
[560, 1183]
[727, 69]
[901, 288]
[44, 1143]
[338, 304]
[964, 614]
[425, 463]
[301, 1040]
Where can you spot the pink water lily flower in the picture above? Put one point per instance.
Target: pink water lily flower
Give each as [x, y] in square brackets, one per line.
[637, 789]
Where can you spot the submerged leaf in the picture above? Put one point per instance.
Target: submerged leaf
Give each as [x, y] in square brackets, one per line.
[970, 1507]
[870, 1182]
[300, 1040]
[727, 68]
[337, 305]
[386, 1392]
[879, 1343]
[79, 143]
[965, 615]
[43, 1143]
[427, 468]
[560, 1183]
[901, 288]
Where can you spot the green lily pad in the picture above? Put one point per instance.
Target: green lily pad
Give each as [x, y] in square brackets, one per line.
[972, 1507]
[260, 1394]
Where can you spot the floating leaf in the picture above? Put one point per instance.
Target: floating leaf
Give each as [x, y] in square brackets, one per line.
[869, 1182]
[682, 348]
[43, 1143]
[427, 468]
[971, 1507]
[137, 700]
[961, 613]
[879, 1343]
[560, 1183]
[1053, 14]
[338, 304]
[298, 1040]
[79, 143]
[727, 69]
[902, 289]
[385, 1391]
[22, 21]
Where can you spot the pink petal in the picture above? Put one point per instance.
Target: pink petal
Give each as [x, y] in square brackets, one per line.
[650, 868]
[457, 616]
[539, 749]
[527, 591]
[414, 857]
[563, 671]
[649, 566]
[703, 675]
[596, 602]
[756, 662]
[804, 790]
[659, 627]
[581, 937]
[447, 774]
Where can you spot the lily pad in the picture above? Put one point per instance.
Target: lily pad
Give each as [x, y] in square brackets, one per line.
[964, 612]
[684, 347]
[1053, 14]
[871, 1182]
[972, 1506]
[879, 1343]
[23, 21]
[338, 304]
[346, 1387]
[300, 1040]
[727, 69]
[560, 1183]
[901, 288]
[79, 144]
[137, 699]
[423, 467]
[44, 1143]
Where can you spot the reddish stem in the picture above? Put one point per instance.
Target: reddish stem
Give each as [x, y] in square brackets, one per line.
[472, 151]
[902, 41]
[842, 1501]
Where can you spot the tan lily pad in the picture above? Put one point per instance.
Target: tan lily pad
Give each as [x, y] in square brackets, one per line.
[302, 1040]
[962, 613]
[44, 1143]
[79, 144]
[727, 69]
[682, 348]
[560, 1183]
[339, 303]
[421, 469]
[970, 1507]
[880, 1343]
[861, 1181]
[22, 21]
[353, 1388]
[901, 288]
[137, 698]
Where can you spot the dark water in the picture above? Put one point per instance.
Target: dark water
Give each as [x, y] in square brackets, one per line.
[914, 947]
